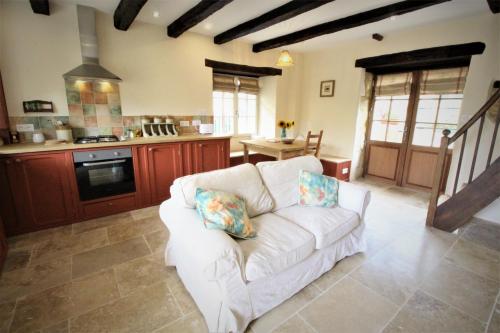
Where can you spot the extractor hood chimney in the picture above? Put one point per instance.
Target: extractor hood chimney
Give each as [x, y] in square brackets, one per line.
[90, 69]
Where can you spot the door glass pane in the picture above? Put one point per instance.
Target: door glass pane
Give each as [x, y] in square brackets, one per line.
[398, 110]
[427, 109]
[381, 108]
[395, 132]
[223, 109]
[422, 135]
[449, 110]
[378, 130]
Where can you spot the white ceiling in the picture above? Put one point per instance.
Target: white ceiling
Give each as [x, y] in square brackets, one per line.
[240, 11]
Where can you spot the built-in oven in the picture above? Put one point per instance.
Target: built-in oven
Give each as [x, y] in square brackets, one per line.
[104, 173]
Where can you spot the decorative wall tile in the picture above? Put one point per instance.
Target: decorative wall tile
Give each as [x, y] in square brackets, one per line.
[87, 97]
[116, 110]
[90, 121]
[102, 110]
[100, 98]
[89, 110]
[75, 110]
[73, 97]
[131, 121]
[91, 131]
[116, 120]
[114, 99]
[118, 131]
[76, 122]
[105, 131]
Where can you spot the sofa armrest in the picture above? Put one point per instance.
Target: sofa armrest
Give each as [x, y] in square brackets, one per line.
[213, 251]
[354, 197]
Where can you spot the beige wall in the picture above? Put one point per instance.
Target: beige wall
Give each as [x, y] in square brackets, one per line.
[338, 115]
[160, 75]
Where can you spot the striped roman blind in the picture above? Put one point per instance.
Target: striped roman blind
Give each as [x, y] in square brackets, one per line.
[443, 81]
[230, 83]
[224, 83]
[393, 84]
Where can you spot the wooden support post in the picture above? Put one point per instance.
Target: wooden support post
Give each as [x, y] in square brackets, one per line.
[438, 174]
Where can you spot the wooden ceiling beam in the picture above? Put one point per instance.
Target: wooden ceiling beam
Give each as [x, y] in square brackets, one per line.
[126, 12]
[348, 22]
[430, 58]
[195, 15]
[277, 15]
[40, 7]
[494, 6]
[244, 70]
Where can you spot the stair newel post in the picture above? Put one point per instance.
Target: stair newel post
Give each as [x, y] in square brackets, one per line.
[438, 177]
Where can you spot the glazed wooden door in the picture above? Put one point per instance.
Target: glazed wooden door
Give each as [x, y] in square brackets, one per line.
[387, 138]
[210, 155]
[165, 165]
[42, 190]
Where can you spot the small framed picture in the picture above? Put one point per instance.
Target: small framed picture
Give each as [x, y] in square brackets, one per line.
[327, 88]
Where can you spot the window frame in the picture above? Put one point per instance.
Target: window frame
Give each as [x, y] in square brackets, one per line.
[236, 133]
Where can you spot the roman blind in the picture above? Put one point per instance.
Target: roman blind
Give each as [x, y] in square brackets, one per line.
[249, 85]
[443, 81]
[224, 83]
[231, 83]
[393, 84]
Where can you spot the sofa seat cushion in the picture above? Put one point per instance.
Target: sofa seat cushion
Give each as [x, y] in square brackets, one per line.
[326, 224]
[279, 244]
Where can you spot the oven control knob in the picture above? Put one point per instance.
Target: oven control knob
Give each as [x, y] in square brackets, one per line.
[92, 155]
[116, 153]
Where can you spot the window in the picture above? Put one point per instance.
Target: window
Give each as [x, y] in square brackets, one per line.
[389, 117]
[434, 114]
[235, 105]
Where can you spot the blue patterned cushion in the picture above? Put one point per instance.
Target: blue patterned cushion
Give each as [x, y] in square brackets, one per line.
[224, 211]
[317, 190]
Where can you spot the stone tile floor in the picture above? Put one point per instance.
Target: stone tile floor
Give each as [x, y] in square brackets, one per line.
[108, 275]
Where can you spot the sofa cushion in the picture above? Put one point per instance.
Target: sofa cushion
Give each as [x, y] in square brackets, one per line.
[224, 211]
[282, 178]
[317, 190]
[243, 180]
[326, 224]
[279, 245]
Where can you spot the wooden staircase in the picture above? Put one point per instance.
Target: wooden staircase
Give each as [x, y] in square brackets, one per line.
[477, 193]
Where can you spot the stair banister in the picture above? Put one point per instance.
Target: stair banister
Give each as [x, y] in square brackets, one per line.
[438, 177]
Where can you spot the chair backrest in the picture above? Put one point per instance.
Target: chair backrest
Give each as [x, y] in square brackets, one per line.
[312, 148]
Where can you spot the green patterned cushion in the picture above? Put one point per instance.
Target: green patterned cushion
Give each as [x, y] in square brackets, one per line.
[224, 211]
[317, 190]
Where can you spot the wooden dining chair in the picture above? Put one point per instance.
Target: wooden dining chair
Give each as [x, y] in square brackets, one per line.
[312, 148]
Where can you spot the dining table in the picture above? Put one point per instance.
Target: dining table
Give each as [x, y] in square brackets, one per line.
[273, 148]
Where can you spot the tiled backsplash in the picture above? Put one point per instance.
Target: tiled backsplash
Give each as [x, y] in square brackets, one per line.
[95, 109]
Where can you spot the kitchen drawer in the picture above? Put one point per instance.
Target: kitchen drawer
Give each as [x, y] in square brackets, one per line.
[108, 207]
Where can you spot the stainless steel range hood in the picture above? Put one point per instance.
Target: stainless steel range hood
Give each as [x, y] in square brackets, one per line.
[90, 69]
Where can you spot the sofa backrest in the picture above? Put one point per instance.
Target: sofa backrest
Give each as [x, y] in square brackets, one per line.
[243, 180]
[282, 178]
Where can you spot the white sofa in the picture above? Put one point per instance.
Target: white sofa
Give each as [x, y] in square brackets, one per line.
[235, 281]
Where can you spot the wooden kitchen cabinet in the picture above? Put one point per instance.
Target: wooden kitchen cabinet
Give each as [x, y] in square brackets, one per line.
[210, 155]
[40, 191]
[3, 245]
[164, 165]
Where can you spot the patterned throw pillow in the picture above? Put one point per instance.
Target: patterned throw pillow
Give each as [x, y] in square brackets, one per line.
[224, 211]
[317, 190]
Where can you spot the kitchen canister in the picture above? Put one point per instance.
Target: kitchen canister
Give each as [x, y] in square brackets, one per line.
[38, 137]
[64, 134]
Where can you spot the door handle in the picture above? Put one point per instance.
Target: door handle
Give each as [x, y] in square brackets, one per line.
[104, 163]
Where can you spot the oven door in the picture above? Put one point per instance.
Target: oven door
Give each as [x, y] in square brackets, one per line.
[105, 178]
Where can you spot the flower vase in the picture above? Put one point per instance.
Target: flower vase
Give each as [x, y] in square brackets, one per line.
[283, 133]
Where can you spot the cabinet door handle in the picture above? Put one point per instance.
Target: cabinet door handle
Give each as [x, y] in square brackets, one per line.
[18, 160]
[150, 149]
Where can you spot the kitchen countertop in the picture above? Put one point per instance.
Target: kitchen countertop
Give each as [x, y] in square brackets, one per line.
[20, 148]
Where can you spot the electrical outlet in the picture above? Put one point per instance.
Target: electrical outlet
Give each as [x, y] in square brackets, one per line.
[196, 122]
[25, 127]
[184, 123]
